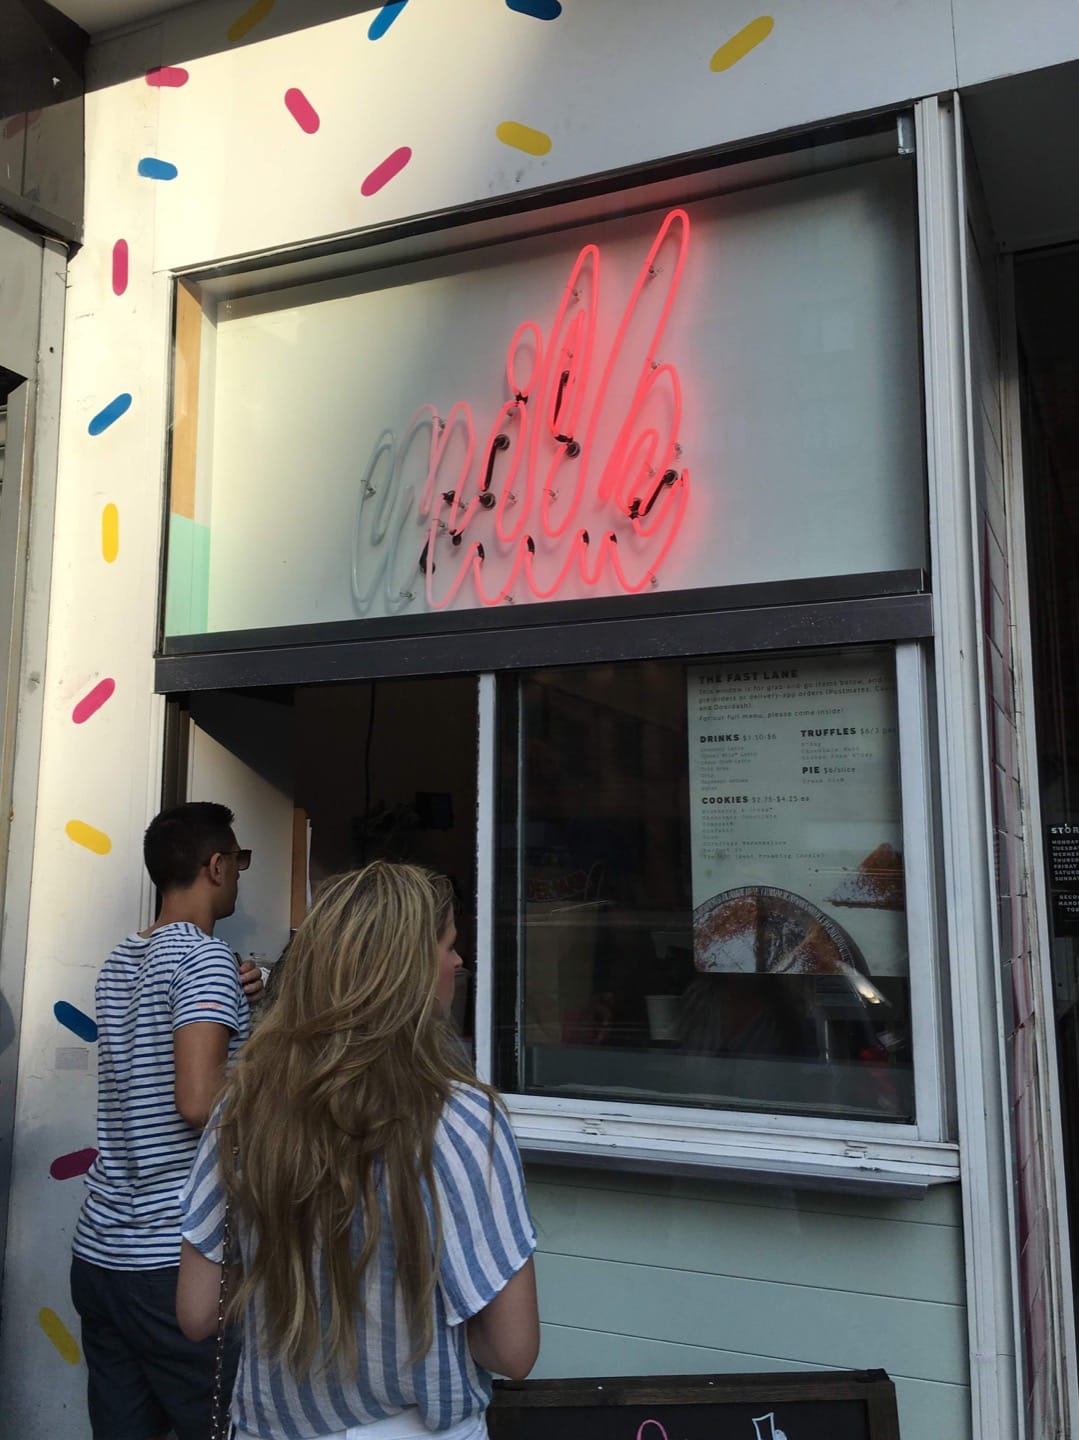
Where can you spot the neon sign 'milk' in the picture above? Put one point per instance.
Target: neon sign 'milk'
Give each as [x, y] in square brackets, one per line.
[579, 480]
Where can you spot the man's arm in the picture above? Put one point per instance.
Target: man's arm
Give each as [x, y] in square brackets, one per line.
[199, 1053]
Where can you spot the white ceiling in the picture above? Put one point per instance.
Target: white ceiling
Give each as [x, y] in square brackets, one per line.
[96, 16]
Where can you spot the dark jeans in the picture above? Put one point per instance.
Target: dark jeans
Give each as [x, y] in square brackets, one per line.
[145, 1376]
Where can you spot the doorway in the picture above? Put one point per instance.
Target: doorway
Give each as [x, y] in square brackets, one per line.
[326, 778]
[1047, 315]
[24, 359]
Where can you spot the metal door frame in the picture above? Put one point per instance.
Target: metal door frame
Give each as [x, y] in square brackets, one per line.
[33, 272]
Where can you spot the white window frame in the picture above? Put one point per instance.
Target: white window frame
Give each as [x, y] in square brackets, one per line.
[903, 1158]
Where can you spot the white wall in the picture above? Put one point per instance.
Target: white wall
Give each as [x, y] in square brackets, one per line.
[611, 84]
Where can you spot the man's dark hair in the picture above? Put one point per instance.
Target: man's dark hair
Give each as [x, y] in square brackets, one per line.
[178, 842]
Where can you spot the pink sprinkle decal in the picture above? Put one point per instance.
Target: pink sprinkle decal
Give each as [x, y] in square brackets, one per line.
[91, 703]
[66, 1167]
[302, 111]
[119, 267]
[170, 77]
[384, 173]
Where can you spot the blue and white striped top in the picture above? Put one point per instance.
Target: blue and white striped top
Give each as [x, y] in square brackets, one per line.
[147, 989]
[487, 1235]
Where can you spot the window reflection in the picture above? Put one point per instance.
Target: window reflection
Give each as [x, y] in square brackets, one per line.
[759, 997]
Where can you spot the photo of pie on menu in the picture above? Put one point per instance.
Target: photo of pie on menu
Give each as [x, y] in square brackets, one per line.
[762, 930]
[795, 822]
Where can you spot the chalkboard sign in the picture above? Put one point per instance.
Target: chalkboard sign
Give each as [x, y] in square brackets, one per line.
[843, 1405]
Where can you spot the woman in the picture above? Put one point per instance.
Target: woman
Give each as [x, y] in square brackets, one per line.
[374, 1184]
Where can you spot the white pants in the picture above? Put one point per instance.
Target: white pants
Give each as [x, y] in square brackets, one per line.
[403, 1426]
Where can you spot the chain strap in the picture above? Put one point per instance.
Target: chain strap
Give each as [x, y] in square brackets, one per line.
[219, 1415]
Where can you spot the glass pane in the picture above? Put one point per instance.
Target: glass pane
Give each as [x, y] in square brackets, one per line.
[703, 881]
[685, 398]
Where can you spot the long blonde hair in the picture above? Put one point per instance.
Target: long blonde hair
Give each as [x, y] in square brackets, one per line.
[336, 1094]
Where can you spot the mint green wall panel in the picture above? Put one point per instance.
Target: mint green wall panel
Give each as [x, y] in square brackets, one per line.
[645, 1275]
[783, 1245]
[187, 577]
[927, 1410]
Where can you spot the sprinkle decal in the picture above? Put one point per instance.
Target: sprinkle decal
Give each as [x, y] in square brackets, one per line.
[152, 169]
[739, 46]
[110, 534]
[538, 9]
[75, 1020]
[384, 19]
[169, 77]
[92, 702]
[88, 837]
[382, 174]
[523, 137]
[110, 414]
[59, 1334]
[67, 1167]
[302, 111]
[119, 267]
[251, 17]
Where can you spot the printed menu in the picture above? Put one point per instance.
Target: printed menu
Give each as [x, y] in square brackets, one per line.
[795, 815]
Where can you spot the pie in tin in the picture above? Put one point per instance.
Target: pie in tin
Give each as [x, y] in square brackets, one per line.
[762, 930]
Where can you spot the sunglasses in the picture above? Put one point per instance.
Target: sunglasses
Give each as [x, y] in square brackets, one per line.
[243, 858]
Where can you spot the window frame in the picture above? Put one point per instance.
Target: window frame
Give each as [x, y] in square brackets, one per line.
[895, 1158]
[893, 608]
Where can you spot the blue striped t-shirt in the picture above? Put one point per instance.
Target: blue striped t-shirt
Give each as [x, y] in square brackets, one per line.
[487, 1235]
[147, 989]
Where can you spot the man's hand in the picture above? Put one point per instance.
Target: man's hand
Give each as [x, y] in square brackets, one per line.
[251, 980]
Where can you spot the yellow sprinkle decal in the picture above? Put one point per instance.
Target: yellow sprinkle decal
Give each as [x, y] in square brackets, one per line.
[110, 533]
[249, 19]
[60, 1335]
[83, 834]
[739, 46]
[523, 137]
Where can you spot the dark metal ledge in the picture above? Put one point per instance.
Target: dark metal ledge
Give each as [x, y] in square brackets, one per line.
[577, 637]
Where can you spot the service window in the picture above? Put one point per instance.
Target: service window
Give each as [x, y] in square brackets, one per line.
[703, 877]
[648, 469]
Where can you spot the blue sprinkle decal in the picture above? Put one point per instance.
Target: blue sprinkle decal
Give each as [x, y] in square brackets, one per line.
[111, 413]
[151, 169]
[384, 19]
[75, 1020]
[538, 9]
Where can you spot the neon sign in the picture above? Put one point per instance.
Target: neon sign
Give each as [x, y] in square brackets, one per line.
[579, 480]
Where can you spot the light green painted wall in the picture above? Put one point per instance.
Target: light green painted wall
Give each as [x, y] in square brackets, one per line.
[187, 577]
[643, 1275]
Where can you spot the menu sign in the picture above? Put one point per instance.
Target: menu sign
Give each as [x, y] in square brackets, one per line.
[795, 816]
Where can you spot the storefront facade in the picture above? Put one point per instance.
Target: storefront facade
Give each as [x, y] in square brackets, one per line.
[582, 452]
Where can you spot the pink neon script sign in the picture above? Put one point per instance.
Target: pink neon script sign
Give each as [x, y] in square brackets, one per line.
[578, 478]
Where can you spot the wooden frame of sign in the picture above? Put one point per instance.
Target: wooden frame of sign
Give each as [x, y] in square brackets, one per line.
[835, 1405]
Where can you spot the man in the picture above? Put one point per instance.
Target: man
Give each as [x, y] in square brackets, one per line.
[171, 1009]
